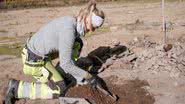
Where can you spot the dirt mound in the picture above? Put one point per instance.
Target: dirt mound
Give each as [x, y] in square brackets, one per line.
[156, 60]
[90, 94]
[144, 42]
[131, 92]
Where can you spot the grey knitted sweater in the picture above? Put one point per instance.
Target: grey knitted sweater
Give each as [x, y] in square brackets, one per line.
[58, 35]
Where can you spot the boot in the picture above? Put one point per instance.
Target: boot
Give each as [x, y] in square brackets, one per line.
[11, 93]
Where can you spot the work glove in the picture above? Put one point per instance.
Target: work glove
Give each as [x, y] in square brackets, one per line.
[89, 79]
[81, 81]
[92, 81]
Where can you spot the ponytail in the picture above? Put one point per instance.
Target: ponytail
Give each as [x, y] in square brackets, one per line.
[88, 10]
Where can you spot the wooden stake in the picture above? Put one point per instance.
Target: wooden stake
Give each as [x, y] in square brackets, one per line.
[164, 22]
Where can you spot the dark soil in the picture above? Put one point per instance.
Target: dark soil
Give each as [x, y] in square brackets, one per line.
[131, 92]
[91, 94]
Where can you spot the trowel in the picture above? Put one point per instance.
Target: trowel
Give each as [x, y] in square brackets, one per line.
[99, 86]
[108, 93]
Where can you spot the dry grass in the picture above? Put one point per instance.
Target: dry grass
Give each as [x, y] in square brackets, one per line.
[3, 31]
[51, 3]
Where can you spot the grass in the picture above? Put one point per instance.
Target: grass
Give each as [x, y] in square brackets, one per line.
[98, 31]
[12, 46]
[3, 31]
[147, 1]
[7, 38]
[103, 29]
[54, 3]
[156, 24]
[11, 49]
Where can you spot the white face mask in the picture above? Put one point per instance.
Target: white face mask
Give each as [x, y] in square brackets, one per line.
[80, 28]
[97, 21]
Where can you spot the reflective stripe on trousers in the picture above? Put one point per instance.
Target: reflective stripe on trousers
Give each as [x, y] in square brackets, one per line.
[43, 74]
[36, 90]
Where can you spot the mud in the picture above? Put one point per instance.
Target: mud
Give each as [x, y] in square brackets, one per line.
[89, 93]
[131, 92]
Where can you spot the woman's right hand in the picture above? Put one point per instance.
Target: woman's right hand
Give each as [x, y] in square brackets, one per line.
[84, 81]
[81, 81]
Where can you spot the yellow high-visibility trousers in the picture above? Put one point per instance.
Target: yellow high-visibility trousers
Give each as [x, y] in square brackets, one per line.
[49, 81]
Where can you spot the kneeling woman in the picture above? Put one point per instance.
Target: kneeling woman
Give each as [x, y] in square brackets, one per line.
[56, 37]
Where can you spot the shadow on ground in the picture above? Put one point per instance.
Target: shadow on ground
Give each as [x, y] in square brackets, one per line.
[95, 59]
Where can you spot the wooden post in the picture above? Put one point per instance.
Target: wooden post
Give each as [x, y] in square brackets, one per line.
[5, 2]
[164, 22]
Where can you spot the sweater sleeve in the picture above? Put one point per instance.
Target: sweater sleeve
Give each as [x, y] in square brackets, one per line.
[66, 41]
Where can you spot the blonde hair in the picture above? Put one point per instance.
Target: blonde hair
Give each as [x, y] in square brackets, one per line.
[91, 7]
